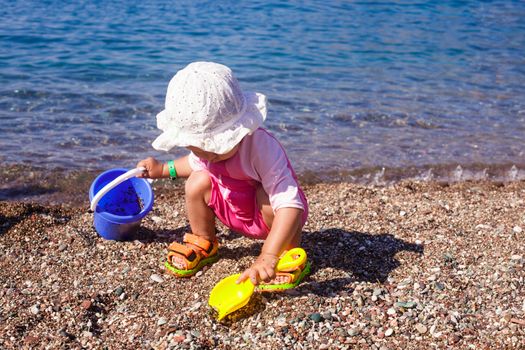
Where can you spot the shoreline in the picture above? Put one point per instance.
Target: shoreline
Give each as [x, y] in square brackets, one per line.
[25, 183]
[411, 265]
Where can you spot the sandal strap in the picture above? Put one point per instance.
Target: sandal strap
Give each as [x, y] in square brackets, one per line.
[293, 269]
[290, 276]
[204, 246]
[297, 278]
[187, 252]
[297, 268]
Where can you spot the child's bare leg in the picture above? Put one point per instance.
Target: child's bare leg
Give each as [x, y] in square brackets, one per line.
[200, 215]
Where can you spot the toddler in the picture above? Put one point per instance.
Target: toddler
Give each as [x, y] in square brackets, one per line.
[236, 171]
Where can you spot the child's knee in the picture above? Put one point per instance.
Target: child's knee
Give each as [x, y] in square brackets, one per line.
[198, 185]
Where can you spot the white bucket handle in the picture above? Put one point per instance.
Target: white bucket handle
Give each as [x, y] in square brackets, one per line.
[128, 175]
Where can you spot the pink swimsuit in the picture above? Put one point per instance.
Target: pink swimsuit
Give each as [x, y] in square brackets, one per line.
[259, 161]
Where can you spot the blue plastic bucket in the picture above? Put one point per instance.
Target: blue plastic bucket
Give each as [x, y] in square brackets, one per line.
[120, 211]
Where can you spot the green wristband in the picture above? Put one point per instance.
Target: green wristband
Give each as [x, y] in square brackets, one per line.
[173, 171]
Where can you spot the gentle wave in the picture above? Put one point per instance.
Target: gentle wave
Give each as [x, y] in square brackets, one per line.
[71, 187]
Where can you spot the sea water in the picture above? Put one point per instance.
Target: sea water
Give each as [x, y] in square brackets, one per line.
[368, 90]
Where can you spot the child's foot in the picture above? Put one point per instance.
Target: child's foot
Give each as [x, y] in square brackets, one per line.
[280, 279]
[286, 280]
[178, 262]
[185, 260]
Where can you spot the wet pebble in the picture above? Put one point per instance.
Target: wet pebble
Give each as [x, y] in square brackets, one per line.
[454, 338]
[34, 309]
[352, 332]
[406, 305]
[87, 334]
[156, 219]
[196, 306]
[86, 304]
[65, 334]
[316, 317]
[281, 322]
[421, 328]
[157, 278]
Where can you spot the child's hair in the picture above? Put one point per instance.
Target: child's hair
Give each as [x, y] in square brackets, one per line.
[206, 108]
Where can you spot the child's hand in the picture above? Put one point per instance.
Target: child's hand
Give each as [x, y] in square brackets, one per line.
[154, 168]
[263, 269]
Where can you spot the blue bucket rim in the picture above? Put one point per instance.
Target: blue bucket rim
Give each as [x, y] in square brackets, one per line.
[122, 219]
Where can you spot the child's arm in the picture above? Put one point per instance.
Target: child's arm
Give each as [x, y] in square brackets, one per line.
[283, 235]
[156, 169]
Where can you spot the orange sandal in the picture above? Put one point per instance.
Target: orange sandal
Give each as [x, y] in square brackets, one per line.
[194, 254]
[287, 278]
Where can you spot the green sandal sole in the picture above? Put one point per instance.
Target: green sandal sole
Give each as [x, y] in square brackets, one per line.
[280, 287]
[189, 273]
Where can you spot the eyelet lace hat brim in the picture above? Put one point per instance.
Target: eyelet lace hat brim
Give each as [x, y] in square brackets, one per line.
[217, 141]
[206, 108]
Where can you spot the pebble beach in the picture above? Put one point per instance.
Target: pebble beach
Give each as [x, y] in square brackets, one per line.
[405, 121]
[412, 265]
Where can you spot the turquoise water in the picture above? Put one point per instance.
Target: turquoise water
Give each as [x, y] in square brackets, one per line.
[419, 88]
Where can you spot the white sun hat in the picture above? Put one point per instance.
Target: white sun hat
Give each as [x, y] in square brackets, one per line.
[206, 108]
